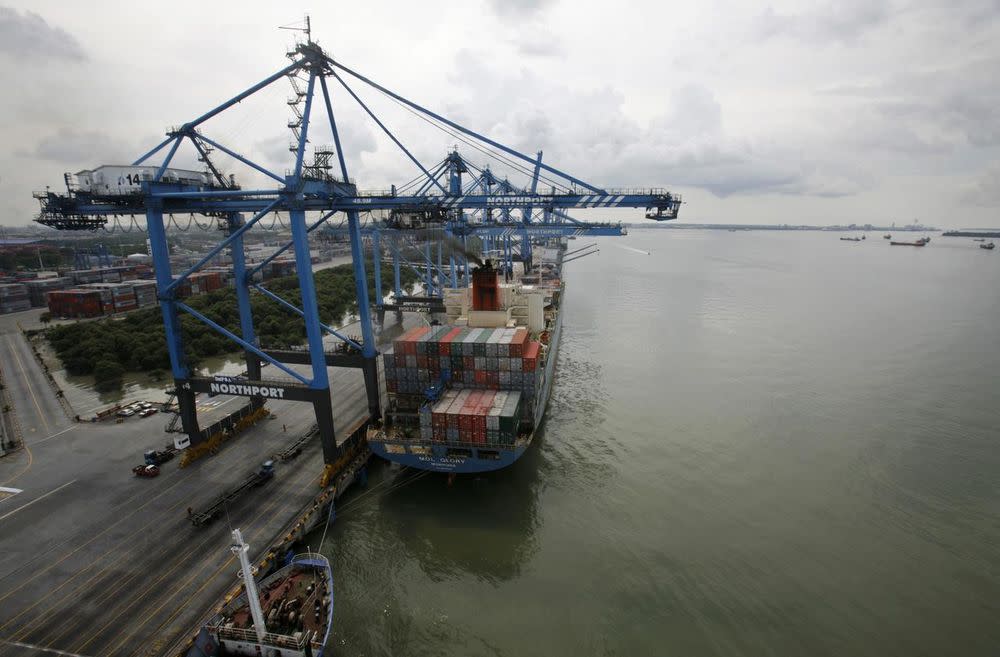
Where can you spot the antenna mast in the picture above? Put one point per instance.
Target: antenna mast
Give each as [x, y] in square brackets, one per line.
[307, 29]
[240, 548]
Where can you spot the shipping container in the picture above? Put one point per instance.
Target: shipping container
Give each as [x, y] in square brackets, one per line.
[517, 342]
[444, 344]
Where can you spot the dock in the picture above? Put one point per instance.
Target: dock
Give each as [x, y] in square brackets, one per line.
[95, 561]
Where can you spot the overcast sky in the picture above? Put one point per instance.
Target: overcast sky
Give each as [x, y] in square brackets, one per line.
[841, 112]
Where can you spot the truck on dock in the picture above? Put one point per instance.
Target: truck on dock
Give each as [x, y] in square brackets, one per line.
[214, 510]
[159, 457]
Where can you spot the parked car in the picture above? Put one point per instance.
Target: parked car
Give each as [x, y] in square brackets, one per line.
[126, 412]
[146, 471]
[146, 412]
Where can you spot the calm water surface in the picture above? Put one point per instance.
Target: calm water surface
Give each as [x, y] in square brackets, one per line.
[758, 444]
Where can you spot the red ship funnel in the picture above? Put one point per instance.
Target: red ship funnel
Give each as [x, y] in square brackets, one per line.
[485, 290]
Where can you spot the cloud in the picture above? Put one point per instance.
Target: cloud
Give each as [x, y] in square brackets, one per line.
[518, 9]
[68, 146]
[535, 40]
[588, 133]
[985, 191]
[832, 22]
[28, 35]
[934, 108]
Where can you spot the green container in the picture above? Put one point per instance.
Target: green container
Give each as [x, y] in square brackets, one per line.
[481, 341]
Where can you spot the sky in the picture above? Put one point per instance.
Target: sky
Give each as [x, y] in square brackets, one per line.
[783, 112]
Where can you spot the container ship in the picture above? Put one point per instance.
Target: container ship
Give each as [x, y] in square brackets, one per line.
[469, 395]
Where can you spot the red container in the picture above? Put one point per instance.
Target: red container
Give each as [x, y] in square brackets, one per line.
[493, 380]
[409, 343]
[517, 343]
[472, 400]
[422, 362]
[531, 356]
[486, 401]
[481, 377]
[469, 362]
[444, 346]
[391, 386]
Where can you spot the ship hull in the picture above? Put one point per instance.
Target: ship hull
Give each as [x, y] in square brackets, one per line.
[443, 459]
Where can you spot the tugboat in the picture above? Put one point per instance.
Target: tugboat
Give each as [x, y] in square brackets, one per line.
[289, 614]
[989, 246]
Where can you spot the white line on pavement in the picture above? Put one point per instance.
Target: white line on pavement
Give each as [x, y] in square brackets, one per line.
[25, 506]
[59, 433]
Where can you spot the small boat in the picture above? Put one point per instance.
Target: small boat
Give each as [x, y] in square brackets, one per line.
[979, 239]
[288, 613]
[989, 246]
[850, 239]
[927, 240]
[919, 242]
[887, 236]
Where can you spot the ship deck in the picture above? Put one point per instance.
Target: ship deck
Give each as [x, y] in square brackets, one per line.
[291, 603]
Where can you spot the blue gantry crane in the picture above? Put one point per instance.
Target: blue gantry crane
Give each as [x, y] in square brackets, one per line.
[440, 198]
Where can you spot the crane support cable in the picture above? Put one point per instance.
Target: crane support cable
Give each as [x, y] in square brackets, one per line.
[456, 126]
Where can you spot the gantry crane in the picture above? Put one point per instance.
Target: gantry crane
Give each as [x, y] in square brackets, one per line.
[487, 206]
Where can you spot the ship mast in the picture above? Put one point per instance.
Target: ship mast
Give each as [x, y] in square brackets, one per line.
[240, 549]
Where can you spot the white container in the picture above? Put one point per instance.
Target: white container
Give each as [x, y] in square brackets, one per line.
[114, 180]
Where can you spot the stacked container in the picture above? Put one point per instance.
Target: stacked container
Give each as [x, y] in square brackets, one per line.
[123, 297]
[14, 298]
[83, 276]
[145, 294]
[38, 290]
[477, 360]
[279, 268]
[478, 417]
[76, 302]
[202, 282]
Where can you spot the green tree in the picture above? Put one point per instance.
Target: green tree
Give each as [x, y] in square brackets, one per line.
[108, 375]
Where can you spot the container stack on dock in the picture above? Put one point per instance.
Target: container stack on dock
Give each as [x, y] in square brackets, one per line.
[145, 294]
[477, 359]
[84, 276]
[123, 297]
[199, 283]
[14, 298]
[76, 303]
[278, 268]
[38, 290]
